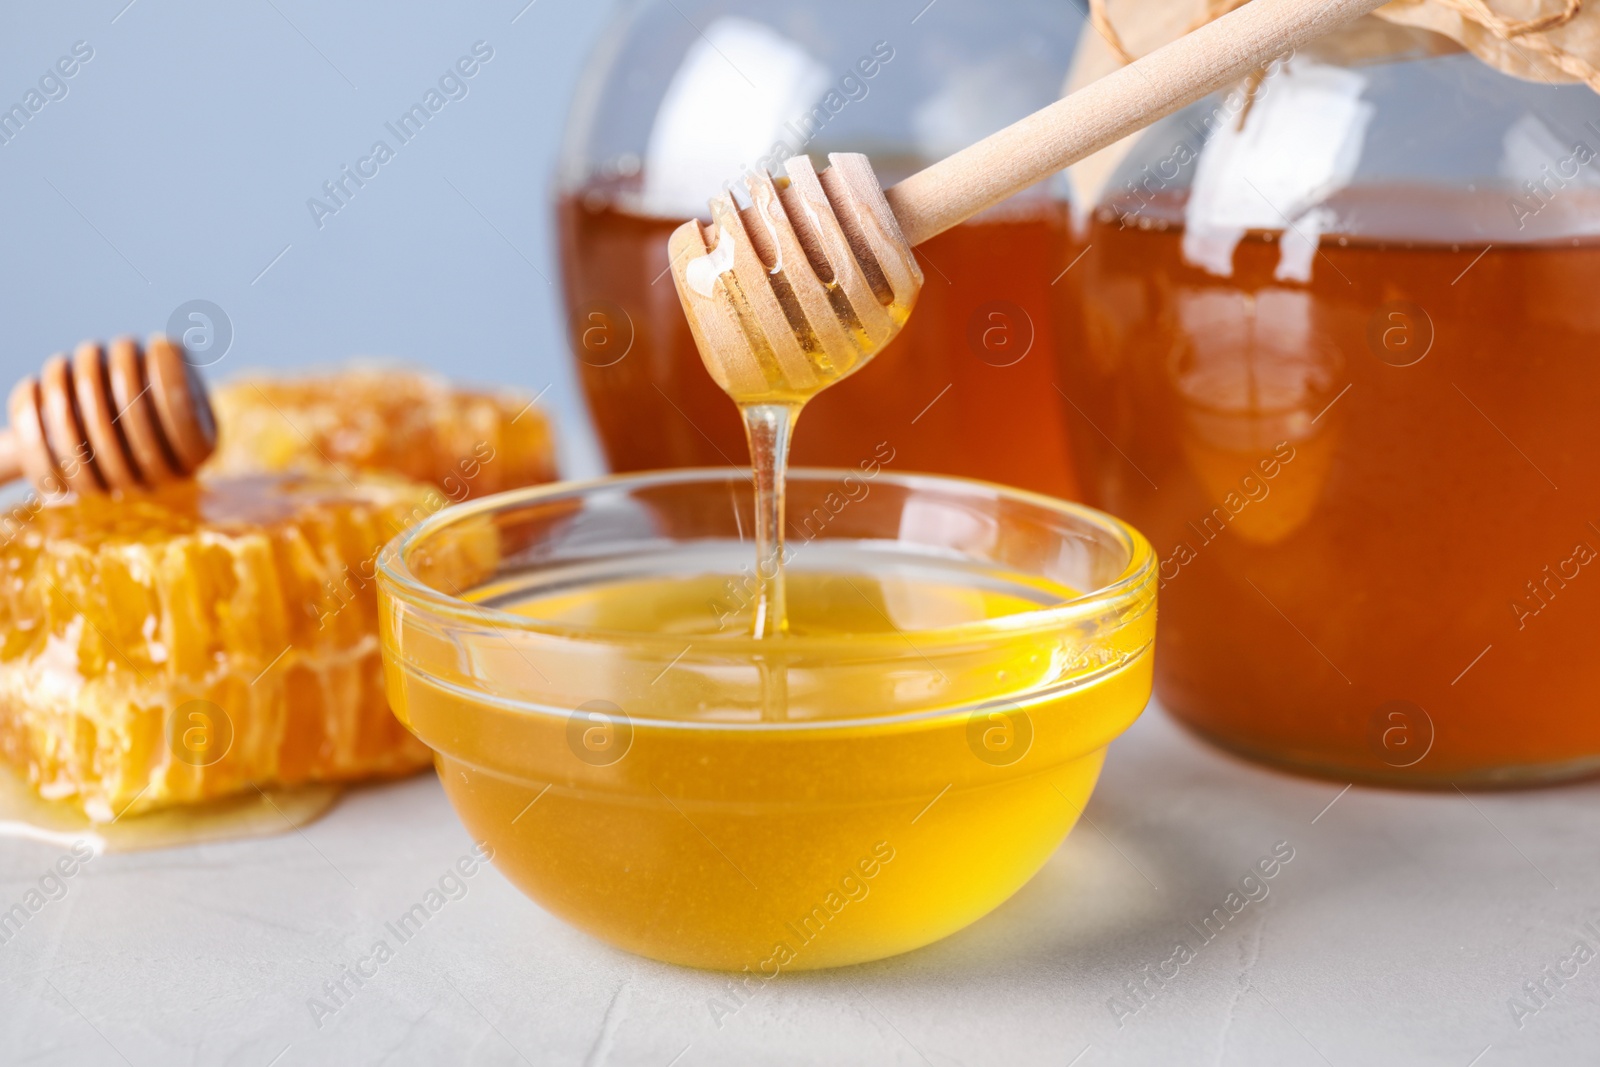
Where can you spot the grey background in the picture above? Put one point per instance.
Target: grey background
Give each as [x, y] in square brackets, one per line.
[179, 163]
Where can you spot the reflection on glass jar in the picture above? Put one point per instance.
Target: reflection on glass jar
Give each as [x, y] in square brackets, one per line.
[1339, 367]
[967, 386]
[1253, 376]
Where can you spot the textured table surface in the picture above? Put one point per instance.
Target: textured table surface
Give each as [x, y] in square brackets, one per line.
[1401, 931]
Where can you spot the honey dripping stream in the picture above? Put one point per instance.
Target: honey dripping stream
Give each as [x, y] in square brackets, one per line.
[777, 322]
[769, 429]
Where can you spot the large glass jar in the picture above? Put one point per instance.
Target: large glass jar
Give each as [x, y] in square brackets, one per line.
[683, 95]
[1341, 367]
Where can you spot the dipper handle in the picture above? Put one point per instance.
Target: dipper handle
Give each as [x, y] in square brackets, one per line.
[1105, 111]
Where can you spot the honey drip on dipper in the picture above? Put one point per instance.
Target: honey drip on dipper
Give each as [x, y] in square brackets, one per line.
[834, 280]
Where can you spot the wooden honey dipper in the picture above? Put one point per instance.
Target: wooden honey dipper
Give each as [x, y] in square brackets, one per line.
[109, 419]
[816, 276]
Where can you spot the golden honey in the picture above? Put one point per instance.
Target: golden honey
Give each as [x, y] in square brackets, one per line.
[273, 809]
[202, 641]
[940, 378]
[1368, 568]
[465, 442]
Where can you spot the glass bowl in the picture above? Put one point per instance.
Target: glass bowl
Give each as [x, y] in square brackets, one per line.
[643, 768]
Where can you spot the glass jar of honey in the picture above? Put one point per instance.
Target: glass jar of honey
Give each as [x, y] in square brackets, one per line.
[682, 97]
[1338, 364]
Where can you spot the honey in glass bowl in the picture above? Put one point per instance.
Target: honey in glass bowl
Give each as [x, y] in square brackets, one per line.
[893, 767]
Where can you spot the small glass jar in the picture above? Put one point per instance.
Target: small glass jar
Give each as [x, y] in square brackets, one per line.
[683, 95]
[1339, 365]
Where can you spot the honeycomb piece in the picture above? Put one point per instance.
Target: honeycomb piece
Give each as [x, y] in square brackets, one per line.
[201, 640]
[468, 443]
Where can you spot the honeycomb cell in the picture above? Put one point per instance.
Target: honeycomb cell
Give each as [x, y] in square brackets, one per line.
[468, 443]
[201, 640]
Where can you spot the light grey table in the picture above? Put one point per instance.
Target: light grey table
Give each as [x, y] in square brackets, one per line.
[1400, 932]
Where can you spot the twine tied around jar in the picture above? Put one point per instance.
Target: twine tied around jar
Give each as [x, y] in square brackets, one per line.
[1560, 46]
